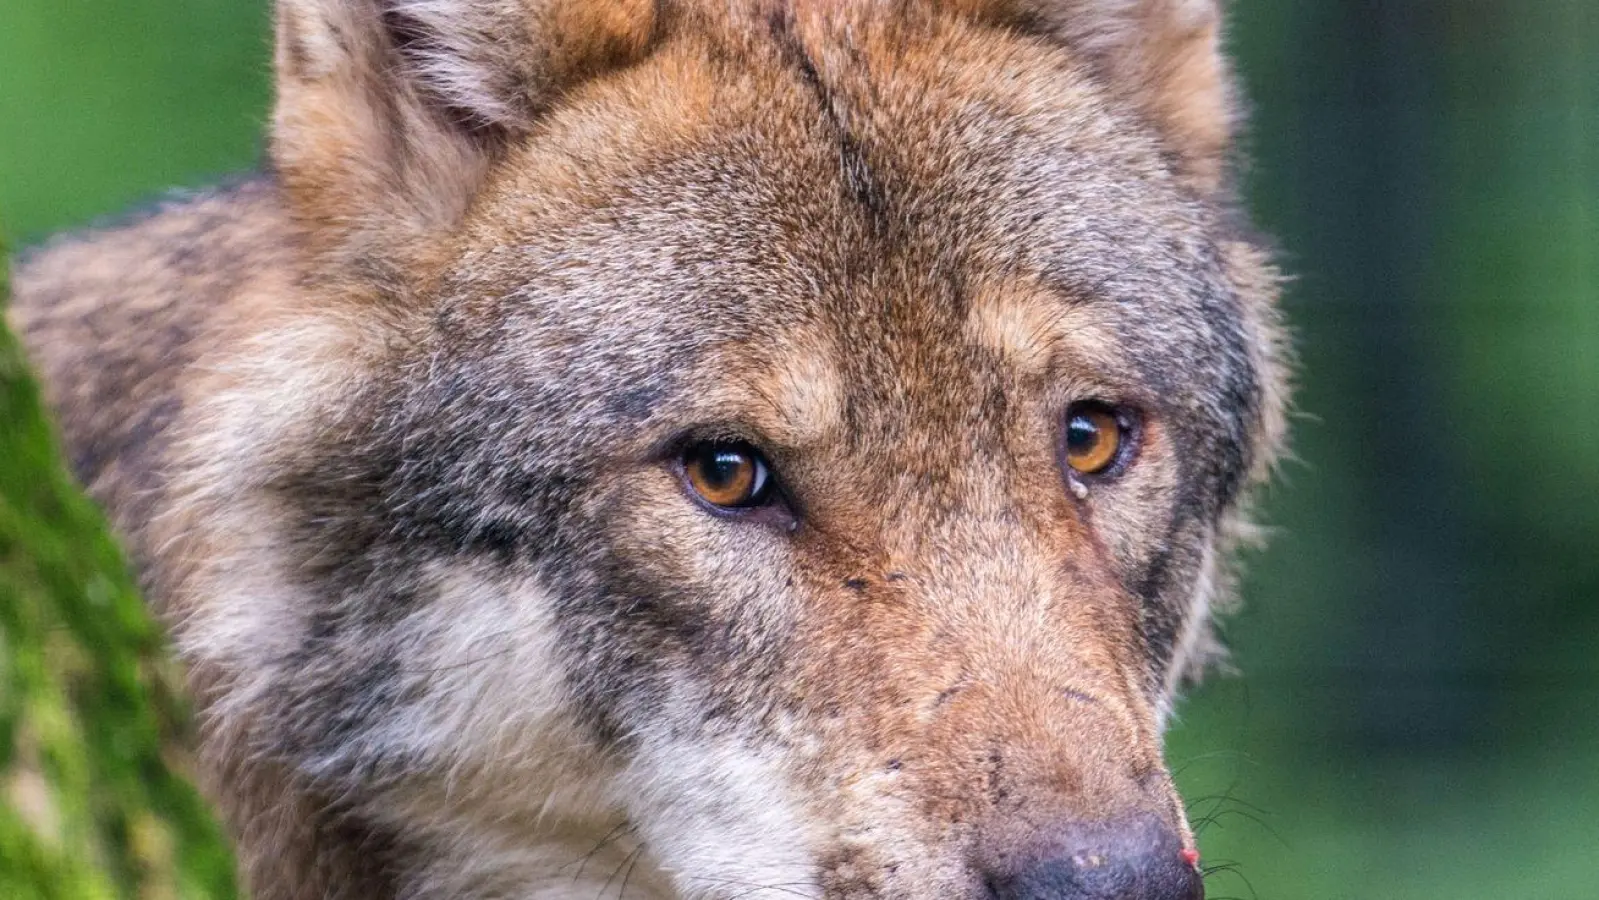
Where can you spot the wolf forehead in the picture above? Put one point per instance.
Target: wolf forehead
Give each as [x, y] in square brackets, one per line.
[705, 216]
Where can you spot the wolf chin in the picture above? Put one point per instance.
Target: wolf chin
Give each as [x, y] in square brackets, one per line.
[694, 448]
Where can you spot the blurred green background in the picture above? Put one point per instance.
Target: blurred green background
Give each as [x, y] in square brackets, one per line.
[1417, 714]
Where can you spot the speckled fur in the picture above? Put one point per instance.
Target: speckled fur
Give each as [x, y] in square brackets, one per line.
[387, 428]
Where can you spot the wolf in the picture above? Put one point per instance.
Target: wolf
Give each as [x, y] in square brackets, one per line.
[692, 448]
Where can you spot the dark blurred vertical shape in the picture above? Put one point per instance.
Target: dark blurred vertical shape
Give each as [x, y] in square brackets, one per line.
[1373, 195]
[1521, 266]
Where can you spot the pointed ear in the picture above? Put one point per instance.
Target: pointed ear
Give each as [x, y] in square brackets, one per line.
[389, 111]
[1166, 55]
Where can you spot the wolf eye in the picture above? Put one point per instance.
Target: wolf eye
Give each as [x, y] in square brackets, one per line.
[1095, 435]
[727, 474]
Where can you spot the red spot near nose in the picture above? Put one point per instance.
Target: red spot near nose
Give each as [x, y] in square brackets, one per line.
[1191, 857]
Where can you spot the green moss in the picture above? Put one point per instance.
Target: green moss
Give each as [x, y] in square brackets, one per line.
[92, 800]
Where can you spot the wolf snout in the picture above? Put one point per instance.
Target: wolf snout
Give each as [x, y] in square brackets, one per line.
[1138, 858]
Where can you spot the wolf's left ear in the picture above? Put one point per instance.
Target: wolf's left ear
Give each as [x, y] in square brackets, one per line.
[389, 111]
[1165, 55]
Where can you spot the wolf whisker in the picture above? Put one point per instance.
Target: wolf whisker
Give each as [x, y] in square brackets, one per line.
[1230, 867]
[627, 864]
[614, 834]
[789, 887]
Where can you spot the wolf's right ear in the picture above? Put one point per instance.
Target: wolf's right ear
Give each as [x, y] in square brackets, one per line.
[1166, 55]
[389, 111]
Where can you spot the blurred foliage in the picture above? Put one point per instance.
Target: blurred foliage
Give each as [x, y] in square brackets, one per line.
[105, 102]
[1418, 714]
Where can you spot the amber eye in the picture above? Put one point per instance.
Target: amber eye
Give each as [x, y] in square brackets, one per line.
[726, 474]
[1094, 438]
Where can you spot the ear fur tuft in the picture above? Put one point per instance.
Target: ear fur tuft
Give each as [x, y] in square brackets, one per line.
[1164, 54]
[503, 61]
[389, 111]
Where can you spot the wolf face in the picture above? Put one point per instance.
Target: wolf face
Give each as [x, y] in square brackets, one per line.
[732, 450]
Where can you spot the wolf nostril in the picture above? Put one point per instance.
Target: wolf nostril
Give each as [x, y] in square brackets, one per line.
[1131, 859]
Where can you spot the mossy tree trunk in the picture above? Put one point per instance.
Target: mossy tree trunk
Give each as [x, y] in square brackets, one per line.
[93, 802]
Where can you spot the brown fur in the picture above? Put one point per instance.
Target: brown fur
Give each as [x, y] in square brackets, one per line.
[391, 429]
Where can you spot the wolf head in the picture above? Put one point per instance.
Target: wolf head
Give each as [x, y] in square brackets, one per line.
[788, 448]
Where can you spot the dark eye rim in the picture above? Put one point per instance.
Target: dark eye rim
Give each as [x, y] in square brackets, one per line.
[773, 508]
[1129, 421]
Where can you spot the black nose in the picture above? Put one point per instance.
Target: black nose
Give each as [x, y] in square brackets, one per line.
[1131, 859]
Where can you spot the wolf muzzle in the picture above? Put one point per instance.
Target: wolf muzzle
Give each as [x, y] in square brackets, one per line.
[1131, 859]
